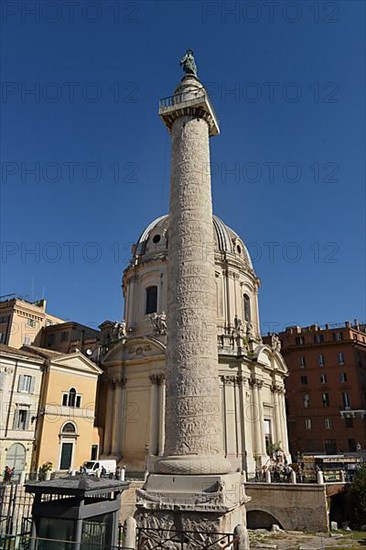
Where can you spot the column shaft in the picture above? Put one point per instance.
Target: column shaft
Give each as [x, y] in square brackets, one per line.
[154, 415]
[193, 424]
[107, 440]
[161, 416]
[262, 445]
[117, 389]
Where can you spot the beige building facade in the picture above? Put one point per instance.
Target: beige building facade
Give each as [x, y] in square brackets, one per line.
[65, 433]
[47, 402]
[22, 321]
[20, 386]
[251, 374]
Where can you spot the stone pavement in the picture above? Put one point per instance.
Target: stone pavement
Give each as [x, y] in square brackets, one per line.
[262, 539]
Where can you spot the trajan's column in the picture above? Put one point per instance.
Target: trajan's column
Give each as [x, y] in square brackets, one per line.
[193, 487]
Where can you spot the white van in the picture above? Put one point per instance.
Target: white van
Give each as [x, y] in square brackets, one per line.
[94, 467]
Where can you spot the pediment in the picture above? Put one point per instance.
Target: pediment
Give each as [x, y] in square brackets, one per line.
[77, 361]
[269, 358]
[135, 348]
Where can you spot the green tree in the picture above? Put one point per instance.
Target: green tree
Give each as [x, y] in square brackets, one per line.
[359, 496]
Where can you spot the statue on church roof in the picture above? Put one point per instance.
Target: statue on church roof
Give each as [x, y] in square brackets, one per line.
[189, 64]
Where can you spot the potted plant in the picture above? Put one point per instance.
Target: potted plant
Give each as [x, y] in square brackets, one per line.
[44, 472]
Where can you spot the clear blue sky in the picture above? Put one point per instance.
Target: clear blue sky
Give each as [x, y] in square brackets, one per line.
[288, 85]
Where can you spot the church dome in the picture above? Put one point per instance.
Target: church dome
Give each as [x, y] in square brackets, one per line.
[153, 241]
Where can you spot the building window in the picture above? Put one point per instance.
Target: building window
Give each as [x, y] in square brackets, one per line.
[302, 361]
[300, 340]
[323, 379]
[69, 428]
[151, 299]
[337, 336]
[343, 377]
[71, 399]
[2, 337]
[21, 419]
[340, 358]
[31, 323]
[306, 400]
[328, 422]
[330, 446]
[346, 400]
[321, 360]
[307, 423]
[26, 383]
[27, 340]
[50, 339]
[94, 452]
[318, 338]
[64, 336]
[352, 447]
[325, 399]
[304, 379]
[349, 422]
[247, 311]
[267, 435]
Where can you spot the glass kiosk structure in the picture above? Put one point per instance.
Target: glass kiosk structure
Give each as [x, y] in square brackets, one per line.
[75, 513]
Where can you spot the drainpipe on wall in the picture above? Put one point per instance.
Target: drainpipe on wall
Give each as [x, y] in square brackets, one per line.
[40, 413]
[11, 399]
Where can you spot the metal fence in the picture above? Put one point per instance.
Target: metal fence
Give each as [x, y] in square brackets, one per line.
[15, 509]
[16, 523]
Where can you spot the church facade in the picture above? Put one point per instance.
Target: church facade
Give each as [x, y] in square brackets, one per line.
[251, 374]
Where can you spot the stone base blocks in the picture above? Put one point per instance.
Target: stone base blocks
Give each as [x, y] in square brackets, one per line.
[203, 506]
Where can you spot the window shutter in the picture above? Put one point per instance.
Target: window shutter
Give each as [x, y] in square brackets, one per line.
[32, 384]
[16, 419]
[26, 423]
[20, 382]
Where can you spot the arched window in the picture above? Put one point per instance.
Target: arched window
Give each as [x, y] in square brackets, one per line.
[151, 299]
[15, 458]
[69, 428]
[247, 312]
[71, 399]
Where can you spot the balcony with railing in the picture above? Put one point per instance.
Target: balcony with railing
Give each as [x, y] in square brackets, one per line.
[191, 102]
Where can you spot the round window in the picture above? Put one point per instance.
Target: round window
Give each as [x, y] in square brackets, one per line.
[156, 239]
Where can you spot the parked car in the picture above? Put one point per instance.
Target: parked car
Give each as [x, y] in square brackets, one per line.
[100, 467]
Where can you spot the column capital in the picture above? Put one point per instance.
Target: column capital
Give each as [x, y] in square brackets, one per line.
[157, 379]
[275, 388]
[118, 383]
[255, 383]
[228, 379]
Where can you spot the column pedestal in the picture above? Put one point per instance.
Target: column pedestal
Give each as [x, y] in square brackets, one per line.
[203, 505]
